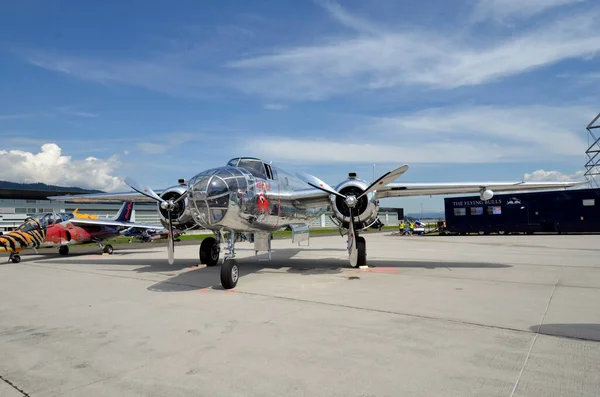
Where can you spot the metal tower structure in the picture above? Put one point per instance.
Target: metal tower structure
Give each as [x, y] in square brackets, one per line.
[592, 167]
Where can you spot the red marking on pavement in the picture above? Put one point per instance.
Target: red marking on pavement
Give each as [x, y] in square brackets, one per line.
[386, 270]
[203, 290]
[228, 291]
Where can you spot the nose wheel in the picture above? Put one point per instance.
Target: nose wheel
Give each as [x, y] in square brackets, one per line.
[14, 258]
[230, 273]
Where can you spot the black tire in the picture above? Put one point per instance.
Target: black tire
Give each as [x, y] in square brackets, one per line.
[108, 249]
[361, 246]
[209, 251]
[16, 259]
[63, 250]
[230, 273]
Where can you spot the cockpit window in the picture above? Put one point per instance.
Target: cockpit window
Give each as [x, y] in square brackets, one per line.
[233, 162]
[256, 167]
[29, 225]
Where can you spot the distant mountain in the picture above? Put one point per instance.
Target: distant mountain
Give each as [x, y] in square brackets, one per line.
[44, 187]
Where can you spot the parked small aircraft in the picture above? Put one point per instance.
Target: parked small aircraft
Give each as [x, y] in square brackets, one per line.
[147, 235]
[63, 229]
[251, 196]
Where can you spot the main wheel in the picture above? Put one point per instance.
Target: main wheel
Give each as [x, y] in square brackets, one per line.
[209, 251]
[230, 272]
[16, 258]
[108, 249]
[361, 246]
[63, 250]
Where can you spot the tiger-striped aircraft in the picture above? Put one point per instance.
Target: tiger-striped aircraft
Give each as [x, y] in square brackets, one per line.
[63, 229]
[28, 235]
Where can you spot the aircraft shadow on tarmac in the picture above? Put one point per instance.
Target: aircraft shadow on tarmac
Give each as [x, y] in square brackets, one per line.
[209, 277]
[590, 332]
[197, 278]
[51, 254]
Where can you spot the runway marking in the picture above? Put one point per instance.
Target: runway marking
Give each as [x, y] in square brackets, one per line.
[14, 386]
[537, 333]
[203, 290]
[228, 291]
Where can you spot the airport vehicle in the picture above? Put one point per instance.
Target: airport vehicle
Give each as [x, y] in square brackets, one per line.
[570, 211]
[249, 195]
[63, 229]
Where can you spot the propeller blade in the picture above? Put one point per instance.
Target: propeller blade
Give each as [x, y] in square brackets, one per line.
[171, 242]
[352, 249]
[318, 184]
[182, 197]
[145, 190]
[386, 178]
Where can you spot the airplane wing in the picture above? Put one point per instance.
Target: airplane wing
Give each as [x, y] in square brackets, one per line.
[108, 222]
[398, 189]
[106, 197]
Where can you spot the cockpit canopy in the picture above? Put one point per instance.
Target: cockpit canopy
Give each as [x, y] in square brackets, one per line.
[29, 225]
[257, 167]
[50, 218]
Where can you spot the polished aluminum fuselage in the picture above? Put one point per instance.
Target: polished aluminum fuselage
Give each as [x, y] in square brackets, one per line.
[232, 198]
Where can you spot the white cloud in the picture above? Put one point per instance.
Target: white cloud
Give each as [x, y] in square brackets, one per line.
[19, 116]
[51, 167]
[537, 130]
[275, 106]
[327, 151]
[354, 22]
[438, 60]
[482, 134]
[502, 10]
[553, 176]
[74, 112]
[368, 58]
[170, 141]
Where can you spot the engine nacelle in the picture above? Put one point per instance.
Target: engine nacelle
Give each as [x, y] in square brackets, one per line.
[181, 216]
[486, 194]
[366, 210]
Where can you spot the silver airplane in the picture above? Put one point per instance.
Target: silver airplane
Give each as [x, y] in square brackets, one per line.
[249, 196]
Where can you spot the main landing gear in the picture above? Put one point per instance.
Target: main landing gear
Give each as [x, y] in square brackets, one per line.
[14, 257]
[209, 251]
[361, 247]
[107, 249]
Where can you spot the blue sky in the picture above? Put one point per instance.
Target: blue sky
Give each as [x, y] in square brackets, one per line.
[461, 91]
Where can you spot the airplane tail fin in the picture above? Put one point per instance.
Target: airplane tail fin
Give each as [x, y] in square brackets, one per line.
[124, 214]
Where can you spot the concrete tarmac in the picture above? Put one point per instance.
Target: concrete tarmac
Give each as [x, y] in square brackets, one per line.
[432, 316]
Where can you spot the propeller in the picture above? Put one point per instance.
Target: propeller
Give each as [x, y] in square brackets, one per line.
[383, 180]
[352, 201]
[168, 205]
